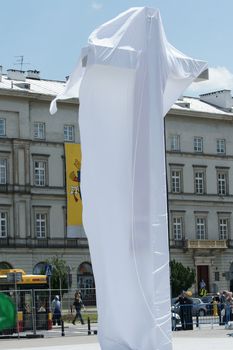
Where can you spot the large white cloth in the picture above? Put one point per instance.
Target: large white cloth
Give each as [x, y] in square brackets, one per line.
[127, 79]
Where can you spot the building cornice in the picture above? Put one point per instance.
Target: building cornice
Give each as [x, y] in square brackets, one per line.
[199, 114]
[35, 96]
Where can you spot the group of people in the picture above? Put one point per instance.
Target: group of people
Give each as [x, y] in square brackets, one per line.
[224, 301]
[56, 309]
[222, 307]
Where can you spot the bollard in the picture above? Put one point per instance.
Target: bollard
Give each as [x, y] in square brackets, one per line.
[197, 321]
[88, 326]
[220, 318]
[215, 308]
[62, 328]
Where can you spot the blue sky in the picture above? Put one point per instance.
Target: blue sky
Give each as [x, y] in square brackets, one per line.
[50, 33]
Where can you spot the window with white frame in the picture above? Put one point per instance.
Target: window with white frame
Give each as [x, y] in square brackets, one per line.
[177, 224]
[41, 225]
[40, 167]
[39, 130]
[222, 182]
[3, 224]
[68, 133]
[3, 171]
[198, 144]
[201, 231]
[176, 180]
[221, 146]
[175, 142]
[223, 228]
[2, 127]
[199, 181]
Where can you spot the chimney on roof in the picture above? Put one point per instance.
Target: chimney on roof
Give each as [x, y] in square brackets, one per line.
[220, 99]
[15, 74]
[33, 74]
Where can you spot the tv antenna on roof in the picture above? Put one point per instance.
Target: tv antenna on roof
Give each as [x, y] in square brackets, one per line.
[20, 61]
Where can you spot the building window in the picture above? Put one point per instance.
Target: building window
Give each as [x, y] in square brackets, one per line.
[177, 224]
[198, 144]
[2, 127]
[222, 182]
[40, 167]
[41, 225]
[5, 265]
[175, 142]
[176, 181]
[3, 165]
[217, 276]
[201, 228]
[3, 224]
[199, 181]
[221, 146]
[39, 130]
[39, 269]
[223, 228]
[68, 133]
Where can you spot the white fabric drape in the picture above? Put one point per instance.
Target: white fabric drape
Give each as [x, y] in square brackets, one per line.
[127, 79]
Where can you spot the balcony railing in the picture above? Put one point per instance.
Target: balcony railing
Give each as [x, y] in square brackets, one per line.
[206, 244]
[43, 243]
[179, 243]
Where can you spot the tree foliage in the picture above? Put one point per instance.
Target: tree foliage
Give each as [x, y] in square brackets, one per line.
[60, 273]
[181, 277]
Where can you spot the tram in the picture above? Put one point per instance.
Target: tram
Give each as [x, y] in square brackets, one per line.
[30, 293]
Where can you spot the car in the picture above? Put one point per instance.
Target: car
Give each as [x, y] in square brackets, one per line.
[176, 322]
[198, 307]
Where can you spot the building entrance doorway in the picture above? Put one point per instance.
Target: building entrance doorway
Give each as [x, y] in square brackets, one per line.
[203, 274]
[231, 277]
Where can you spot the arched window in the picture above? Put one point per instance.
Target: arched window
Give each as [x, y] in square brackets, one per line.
[86, 283]
[39, 269]
[5, 265]
[85, 269]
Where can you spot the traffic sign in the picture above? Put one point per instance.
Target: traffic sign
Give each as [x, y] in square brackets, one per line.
[48, 270]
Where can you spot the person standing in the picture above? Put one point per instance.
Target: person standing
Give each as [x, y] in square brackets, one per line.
[185, 310]
[56, 310]
[203, 290]
[78, 304]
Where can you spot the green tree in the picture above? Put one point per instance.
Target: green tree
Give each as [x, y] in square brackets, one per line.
[181, 277]
[60, 271]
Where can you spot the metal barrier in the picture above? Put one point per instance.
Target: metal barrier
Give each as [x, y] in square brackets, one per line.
[204, 314]
[35, 316]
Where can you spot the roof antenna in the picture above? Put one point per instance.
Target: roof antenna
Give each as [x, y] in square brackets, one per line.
[20, 61]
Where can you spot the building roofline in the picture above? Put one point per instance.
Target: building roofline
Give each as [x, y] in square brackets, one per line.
[35, 96]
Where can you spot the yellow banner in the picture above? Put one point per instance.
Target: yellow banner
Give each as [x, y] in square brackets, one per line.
[74, 198]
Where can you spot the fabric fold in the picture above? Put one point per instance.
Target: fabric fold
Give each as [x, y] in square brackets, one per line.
[129, 80]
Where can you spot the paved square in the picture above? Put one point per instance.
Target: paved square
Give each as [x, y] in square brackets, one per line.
[214, 339]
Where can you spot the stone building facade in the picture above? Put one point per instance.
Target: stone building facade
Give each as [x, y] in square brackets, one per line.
[32, 178]
[199, 151]
[200, 186]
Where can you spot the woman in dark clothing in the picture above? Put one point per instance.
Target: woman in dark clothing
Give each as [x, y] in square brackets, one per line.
[78, 304]
[185, 311]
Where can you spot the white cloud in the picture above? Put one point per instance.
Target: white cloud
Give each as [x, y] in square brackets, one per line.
[219, 78]
[96, 5]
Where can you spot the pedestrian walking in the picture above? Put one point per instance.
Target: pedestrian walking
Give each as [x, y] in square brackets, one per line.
[78, 304]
